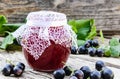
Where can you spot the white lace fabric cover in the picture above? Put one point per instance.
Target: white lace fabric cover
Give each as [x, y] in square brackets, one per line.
[42, 27]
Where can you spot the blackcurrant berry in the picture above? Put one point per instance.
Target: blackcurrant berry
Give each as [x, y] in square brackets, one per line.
[95, 43]
[91, 51]
[99, 52]
[59, 74]
[21, 65]
[82, 50]
[7, 70]
[95, 75]
[17, 71]
[86, 70]
[73, 50]
[107, 73]
[88, 43]
[99, 65]
[79, 74]
[68, 70]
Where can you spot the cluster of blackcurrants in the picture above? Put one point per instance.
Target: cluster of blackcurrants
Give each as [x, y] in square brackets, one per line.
[90, 47]
[100, 72]
[17, 69]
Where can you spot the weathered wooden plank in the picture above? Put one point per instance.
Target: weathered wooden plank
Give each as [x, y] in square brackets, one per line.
[109, 32]
[75, 61]
[105, 12]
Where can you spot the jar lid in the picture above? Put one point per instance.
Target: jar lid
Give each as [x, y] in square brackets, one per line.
[46, 18]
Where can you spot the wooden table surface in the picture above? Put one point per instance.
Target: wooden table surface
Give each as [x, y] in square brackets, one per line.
[75, 61]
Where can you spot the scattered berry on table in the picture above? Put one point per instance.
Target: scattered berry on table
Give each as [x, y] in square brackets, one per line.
[92, 51]
[7, 70]
[68, 70]
[82, 50]
[95, 43]
[99, 65]
[87, 44]
[99, 52]
[86, 70]
[17, 71]
[95, 75]
[59, 74]
[73, 50]
[89, 41]
[79, 74]
[107, 73]
[21, 65]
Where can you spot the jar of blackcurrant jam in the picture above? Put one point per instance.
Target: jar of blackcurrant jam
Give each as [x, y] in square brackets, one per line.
[47, 40]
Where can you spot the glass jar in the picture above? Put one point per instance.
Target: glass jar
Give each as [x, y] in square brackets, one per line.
[47, 40]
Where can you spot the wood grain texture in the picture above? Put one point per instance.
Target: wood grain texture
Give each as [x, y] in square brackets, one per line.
[75, 61]
[105, 12]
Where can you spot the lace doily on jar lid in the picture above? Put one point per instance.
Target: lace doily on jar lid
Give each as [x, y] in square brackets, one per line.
[46, 18]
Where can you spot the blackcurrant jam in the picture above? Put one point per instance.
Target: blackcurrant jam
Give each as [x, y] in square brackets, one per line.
[47, 40]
